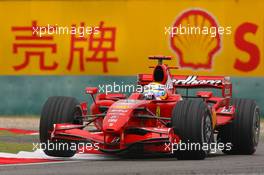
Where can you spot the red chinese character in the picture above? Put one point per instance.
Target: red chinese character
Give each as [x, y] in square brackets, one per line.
[74, 49]
[36, 48]
[98, 43]
[102, 45]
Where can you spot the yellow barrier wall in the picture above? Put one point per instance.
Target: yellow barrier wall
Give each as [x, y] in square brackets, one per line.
[130, 31]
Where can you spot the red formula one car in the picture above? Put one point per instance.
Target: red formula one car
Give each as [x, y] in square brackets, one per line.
[158, 119]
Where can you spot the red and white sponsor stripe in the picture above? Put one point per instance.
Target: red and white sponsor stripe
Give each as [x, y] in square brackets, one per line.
[6, 160]
[20, 131]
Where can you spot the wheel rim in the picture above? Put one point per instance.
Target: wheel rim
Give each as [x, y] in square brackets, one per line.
[256, 127]
[77, 116]
[207, 129]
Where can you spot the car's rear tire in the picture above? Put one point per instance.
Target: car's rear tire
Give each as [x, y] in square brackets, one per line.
[192, 121]
[243, 133]
[57, 110]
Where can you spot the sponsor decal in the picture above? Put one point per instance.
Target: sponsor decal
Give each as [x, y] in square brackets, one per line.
[121, 107]
[112, 119]
[116, 140]
[194, 80]
[119, 110]
[227, 110]
[195, 50]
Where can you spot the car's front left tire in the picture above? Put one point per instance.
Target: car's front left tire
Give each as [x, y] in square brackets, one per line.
[56, 110]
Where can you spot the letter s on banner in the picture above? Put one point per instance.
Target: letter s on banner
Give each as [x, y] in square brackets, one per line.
[248, 47]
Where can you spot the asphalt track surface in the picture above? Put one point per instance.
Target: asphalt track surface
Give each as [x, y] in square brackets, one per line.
[214, 164]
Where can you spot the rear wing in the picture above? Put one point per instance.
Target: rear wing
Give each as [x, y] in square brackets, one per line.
[162, 75]
[183, 81]
[188, 81]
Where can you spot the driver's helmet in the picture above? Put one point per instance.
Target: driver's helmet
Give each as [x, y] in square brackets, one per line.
[155, 91]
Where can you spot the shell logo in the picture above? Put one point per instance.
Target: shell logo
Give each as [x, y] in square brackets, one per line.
[195, 51]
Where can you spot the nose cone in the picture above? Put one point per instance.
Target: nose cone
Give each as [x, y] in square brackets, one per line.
[119, 114]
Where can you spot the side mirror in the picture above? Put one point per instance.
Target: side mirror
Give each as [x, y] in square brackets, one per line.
[91, 90]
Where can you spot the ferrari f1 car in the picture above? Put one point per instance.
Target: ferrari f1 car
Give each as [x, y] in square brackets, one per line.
[158, 116]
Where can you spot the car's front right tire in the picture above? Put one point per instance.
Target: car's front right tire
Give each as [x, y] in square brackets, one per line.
[192, 121]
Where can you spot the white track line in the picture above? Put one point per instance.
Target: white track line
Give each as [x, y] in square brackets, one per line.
[39, 154]
[38, 163]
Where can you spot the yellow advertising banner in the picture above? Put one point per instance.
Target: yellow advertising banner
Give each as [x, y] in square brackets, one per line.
[218, 37]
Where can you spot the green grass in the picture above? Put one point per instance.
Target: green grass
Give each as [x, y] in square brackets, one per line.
[11, 147]
[10, 134]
